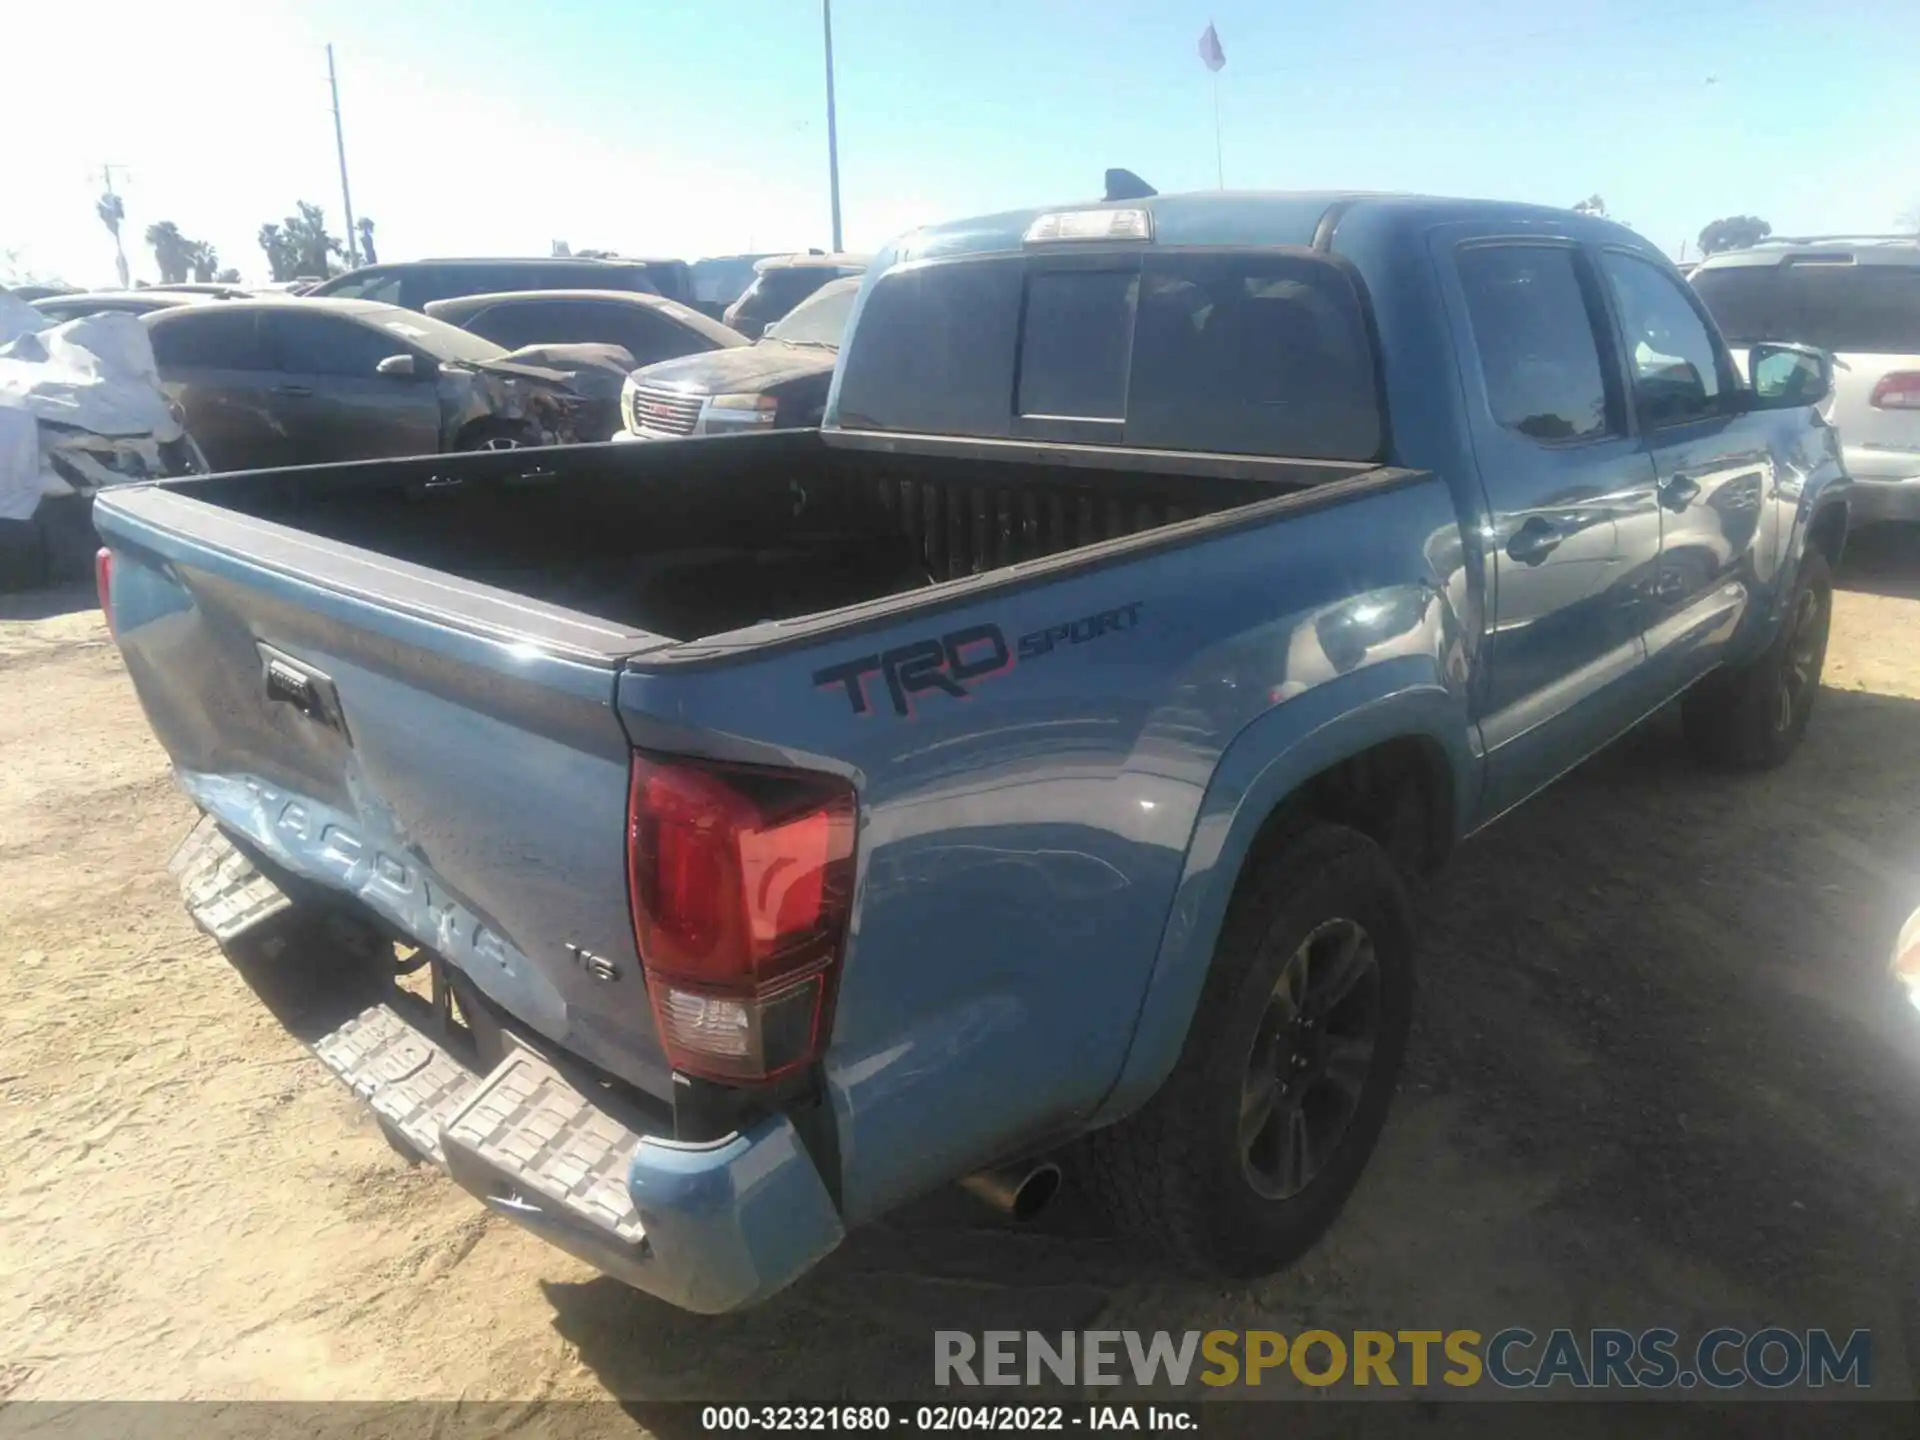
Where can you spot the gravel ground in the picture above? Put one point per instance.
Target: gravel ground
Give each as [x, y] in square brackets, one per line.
[1658, 1078]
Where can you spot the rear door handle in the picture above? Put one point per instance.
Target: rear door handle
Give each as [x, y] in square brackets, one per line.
[1534, 541]
[300, 391]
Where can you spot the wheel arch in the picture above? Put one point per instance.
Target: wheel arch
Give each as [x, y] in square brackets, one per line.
[1397, 765]
[1827, 529]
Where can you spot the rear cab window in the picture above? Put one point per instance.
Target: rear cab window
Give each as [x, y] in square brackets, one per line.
[1252, 353]
[1830, 300]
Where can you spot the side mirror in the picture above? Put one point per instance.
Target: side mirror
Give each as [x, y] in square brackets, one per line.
[1786, 376]
[406, 367]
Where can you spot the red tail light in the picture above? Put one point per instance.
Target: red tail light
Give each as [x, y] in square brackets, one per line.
[742, 884]
[103, 582]
[1897, 390]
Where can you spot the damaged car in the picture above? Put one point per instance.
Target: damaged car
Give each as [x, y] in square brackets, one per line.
[276, 382]
[81, 410]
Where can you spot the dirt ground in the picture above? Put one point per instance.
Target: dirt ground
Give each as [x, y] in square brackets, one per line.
[1658, 1078]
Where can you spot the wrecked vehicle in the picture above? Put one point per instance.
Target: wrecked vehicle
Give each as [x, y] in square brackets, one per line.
[81, 409]
[1036, 754]
[597, 337]
[273, 382]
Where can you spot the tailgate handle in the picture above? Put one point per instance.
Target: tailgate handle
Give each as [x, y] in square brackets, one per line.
[289, 682]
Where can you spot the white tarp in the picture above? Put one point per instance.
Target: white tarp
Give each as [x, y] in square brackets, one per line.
[94, 374]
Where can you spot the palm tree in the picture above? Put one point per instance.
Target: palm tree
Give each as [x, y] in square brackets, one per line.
[313, 247]
[111, 212]
[281, 261]
[204, 259]
[171, 251]
[367, 255]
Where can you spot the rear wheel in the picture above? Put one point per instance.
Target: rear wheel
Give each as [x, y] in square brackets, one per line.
[1754, 717]
[1251, 1147]
[496, 435]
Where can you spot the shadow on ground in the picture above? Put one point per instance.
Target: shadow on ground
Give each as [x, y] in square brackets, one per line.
[1882, 560]
[44, 604]
[1659, 1078]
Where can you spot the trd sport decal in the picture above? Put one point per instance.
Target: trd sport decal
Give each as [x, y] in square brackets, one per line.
[951, 662]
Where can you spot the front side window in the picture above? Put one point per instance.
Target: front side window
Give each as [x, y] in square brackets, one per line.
[328, 345]
[1534, 334]
[1670, 354]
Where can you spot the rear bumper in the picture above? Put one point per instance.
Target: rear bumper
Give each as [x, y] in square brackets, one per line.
[708, 1227]
[1886, 484]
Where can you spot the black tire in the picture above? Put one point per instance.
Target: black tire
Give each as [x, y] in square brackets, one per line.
[1176, 1175]
[1754, 717]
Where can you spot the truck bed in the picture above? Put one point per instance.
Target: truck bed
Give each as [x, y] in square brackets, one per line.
[418, 685]
[693, 539]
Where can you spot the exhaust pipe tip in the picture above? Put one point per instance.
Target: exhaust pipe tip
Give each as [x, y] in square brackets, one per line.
[1018, 1191]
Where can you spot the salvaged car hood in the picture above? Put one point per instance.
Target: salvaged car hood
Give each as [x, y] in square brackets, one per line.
[745, 367]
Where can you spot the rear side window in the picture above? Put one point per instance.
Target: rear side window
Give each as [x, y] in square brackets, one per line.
[646, 336]
[517, 325]
[381, 285]
[210, 339]
[1251, 354]
[1534, 333]
[1862, 309]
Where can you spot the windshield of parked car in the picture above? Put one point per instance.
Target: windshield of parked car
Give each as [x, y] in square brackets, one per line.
[820, 319]
[723, 279]
[1834, 304]
[436, 337]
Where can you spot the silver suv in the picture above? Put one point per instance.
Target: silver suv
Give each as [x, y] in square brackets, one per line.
[1858, 297]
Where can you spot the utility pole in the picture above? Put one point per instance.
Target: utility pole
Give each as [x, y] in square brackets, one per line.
[833, 134]
[340, 145]
[110, 203]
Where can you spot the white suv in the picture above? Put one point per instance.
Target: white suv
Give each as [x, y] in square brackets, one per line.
[1859, 298]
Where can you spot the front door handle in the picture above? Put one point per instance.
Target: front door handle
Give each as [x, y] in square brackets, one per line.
[299, 391]
[1679, 491]
[1534, 541]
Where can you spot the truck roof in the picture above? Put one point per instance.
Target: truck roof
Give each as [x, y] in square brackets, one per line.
[1251, 217]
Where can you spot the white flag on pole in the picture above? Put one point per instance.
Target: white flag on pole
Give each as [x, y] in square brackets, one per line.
[1211, 55]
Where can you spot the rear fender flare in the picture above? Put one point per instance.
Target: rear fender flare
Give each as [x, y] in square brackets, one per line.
[1265, 764]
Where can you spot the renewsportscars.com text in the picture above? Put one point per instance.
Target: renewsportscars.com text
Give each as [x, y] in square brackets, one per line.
[1513, 1358]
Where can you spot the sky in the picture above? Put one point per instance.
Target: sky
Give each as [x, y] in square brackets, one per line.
[690, 128]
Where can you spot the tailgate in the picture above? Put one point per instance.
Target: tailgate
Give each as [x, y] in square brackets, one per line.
[446, 753]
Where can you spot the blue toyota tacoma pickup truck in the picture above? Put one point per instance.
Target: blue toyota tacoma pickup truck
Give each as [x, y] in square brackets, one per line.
[1035, 758]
